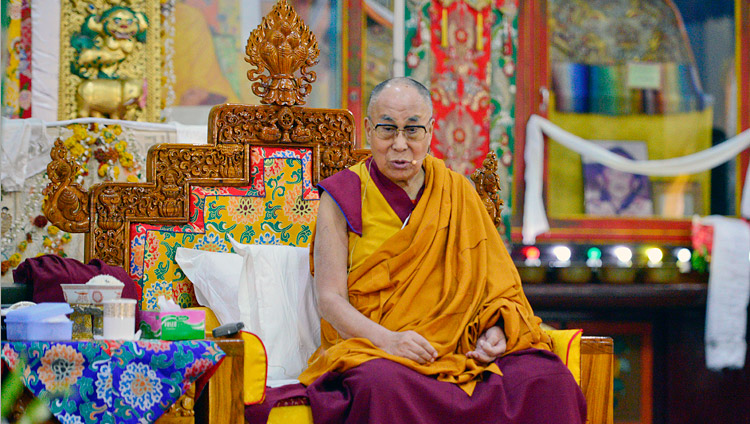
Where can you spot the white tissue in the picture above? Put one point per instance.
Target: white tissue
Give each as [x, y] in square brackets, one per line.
[167, 305]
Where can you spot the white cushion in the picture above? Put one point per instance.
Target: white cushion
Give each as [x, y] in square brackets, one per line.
[276, 303]
[216, 278]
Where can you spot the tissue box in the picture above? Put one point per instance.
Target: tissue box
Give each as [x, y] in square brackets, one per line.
[178, 325]
[33, 322]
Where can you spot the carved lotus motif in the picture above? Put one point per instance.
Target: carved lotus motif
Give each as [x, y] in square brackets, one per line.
[282, 45]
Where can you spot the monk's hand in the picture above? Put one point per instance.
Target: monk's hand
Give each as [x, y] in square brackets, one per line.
[491, 344]
[410, 345]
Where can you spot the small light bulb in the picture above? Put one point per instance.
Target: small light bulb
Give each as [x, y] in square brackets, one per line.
[532, 252]
[654, 255]
[594, 257]
[623, 254]
[594, 253]
[532, 255]
[562, 253]
[684, 255]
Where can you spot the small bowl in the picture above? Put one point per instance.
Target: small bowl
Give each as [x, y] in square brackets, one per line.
[532, 274]
[574, 274]
[660, 275]
[617, 275]
[91, 293]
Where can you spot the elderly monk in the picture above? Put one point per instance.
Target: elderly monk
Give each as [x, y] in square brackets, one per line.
[424, 318]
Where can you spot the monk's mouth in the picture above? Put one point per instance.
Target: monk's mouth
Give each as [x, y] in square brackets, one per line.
[400, 163]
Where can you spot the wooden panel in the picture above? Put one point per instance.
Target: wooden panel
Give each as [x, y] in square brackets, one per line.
[597, 373]
[608, 296]
[225, 405]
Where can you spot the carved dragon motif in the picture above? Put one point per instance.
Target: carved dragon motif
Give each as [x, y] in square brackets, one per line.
[65, 201]
[488, 186]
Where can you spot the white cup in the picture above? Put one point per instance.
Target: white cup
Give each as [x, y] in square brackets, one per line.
[119, 319]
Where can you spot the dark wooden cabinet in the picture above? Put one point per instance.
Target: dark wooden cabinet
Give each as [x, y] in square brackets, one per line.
[671, 319]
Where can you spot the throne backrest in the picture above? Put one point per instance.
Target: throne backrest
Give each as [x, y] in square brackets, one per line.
[254, 180]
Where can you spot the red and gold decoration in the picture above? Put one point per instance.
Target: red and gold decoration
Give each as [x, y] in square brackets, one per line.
[460, 83]
[465, 52]
[17, 73]
[110, 60]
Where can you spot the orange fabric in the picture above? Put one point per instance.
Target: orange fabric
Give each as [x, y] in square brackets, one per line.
[445, 275]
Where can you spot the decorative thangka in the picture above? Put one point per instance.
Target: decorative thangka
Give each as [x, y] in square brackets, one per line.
[465, 52]
[16, 27]
[633, 59]
[110, 60]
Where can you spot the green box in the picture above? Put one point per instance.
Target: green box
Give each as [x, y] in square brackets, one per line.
[187, 324]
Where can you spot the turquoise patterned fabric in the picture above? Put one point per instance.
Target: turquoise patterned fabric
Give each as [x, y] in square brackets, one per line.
[87, 382]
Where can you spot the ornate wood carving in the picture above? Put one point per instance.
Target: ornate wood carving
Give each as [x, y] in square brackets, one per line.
[183, 408]
[282, 45]
[331, 129]
[488, 186]
[65, 201]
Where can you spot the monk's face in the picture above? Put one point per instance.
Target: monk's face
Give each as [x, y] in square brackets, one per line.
[399, 130]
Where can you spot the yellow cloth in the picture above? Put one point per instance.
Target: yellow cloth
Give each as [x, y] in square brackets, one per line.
[445, 275]
[379, 221]
[567, 345]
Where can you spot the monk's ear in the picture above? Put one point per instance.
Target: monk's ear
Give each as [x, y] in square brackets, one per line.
[430, 127]
[368, 129]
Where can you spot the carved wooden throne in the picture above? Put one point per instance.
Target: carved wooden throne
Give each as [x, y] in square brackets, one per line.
[189, 188]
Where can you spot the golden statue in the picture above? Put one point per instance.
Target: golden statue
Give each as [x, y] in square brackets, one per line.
[111, 65]
[106, 40]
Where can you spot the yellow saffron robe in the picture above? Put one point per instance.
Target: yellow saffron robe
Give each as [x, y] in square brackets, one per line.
[446, 275]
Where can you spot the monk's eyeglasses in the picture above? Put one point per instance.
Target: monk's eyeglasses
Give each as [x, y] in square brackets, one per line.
[411, 132]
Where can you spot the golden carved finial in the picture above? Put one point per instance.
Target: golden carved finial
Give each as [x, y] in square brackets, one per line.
[282, 44]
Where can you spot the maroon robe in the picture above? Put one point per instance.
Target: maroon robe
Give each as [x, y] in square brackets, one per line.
[535, 388]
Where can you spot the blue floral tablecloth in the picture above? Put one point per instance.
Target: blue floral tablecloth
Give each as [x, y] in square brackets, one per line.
[113, 382]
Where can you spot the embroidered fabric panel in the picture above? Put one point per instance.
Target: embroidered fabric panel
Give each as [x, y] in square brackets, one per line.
[278, 207]
[90, 382]
[16, 28]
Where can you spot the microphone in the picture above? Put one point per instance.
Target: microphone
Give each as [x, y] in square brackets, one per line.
[414, 161]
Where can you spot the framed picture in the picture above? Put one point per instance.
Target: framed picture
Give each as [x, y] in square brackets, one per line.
[633, 373]
[609, 192]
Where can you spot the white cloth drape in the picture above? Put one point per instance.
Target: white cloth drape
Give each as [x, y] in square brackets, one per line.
[728, 293]
[45, 58]
[25, 151]
[26, 143]
[534, 216]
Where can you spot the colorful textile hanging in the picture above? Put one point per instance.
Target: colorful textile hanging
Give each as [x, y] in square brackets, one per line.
[503, 99]
[451, 47]
[17, 77]
[632, 60]
[460, 84]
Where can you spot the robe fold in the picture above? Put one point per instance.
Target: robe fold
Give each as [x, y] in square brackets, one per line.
[445, 274]
[439, 268]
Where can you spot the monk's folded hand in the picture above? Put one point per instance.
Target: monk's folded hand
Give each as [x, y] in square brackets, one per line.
[410, 345]
[491, 344]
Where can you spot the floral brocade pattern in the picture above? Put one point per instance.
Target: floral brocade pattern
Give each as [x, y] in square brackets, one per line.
[278, 207]
[90, 382]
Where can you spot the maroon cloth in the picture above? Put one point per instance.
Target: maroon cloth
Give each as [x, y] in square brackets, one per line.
[45, 273]
[345, 189]
[535, 388]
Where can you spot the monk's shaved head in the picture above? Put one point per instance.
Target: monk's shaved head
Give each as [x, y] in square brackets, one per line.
[424, 93]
